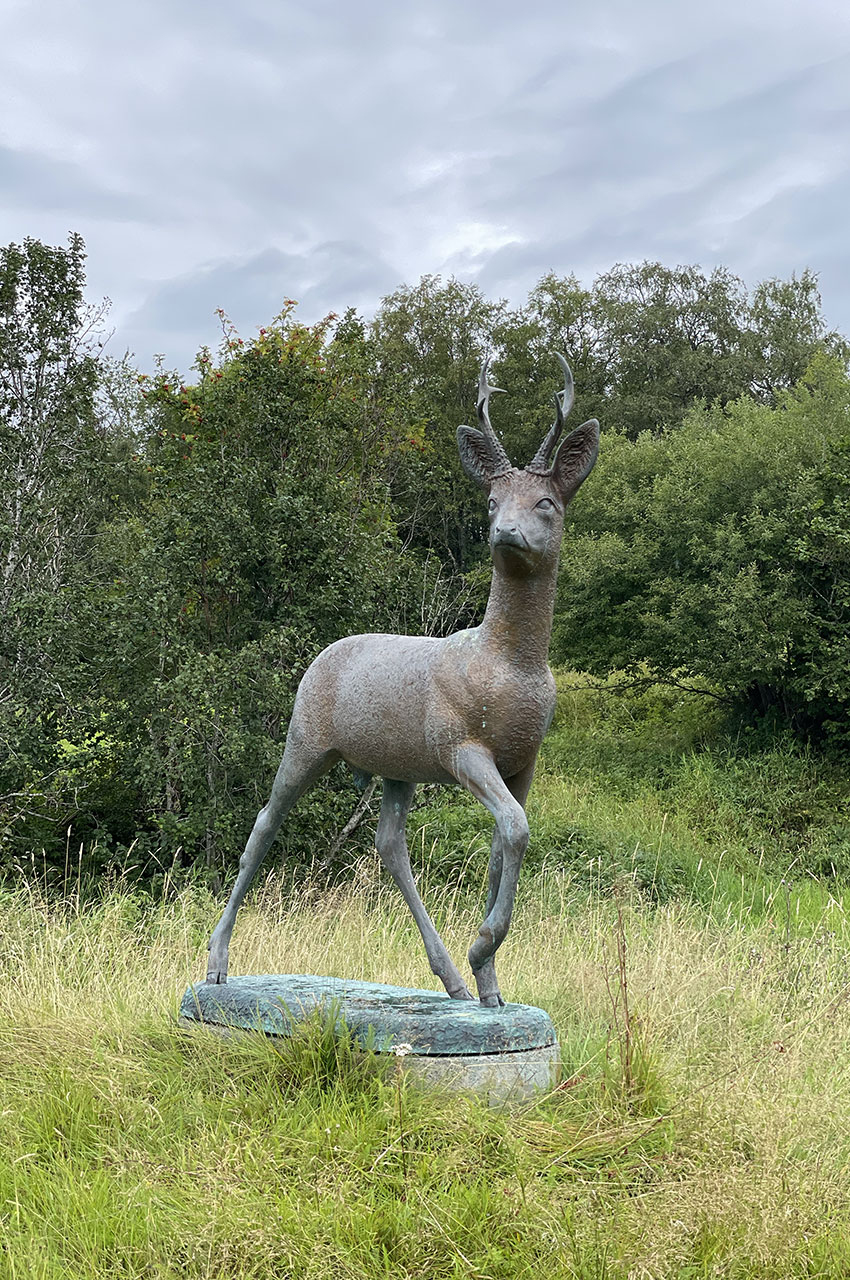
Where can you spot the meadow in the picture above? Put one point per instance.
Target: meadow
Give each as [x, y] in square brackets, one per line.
[682, 916]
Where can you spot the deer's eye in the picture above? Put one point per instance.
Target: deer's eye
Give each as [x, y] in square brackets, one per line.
[545, 504]
[491, 505]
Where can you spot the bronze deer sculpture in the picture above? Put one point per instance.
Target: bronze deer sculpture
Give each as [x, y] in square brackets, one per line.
[471, 709]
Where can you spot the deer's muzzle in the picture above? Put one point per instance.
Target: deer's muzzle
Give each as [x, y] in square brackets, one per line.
[510, 538]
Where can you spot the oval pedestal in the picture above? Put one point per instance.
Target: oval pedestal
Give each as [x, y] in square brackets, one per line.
[506, 1054]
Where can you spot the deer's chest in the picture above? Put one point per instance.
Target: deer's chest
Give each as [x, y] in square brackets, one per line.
[506, 710]
[514, 716]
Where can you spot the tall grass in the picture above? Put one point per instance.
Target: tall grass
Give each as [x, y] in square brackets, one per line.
[659, 787]
[683, 917]
[133, 1149]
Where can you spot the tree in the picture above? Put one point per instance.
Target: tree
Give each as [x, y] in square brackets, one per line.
[55, 467]
[785, 329]
[262, 538]
[429, 341]
[721, 550]
[647, 341]
[48, 374]
[669, 336]
[560, 315]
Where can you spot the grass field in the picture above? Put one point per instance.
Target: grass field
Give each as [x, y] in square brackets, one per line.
[708, 1136]
[675, 921]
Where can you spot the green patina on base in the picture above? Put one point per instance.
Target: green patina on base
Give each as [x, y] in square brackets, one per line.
[378, 1015]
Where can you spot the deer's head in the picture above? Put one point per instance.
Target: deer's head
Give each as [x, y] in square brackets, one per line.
[527, 506]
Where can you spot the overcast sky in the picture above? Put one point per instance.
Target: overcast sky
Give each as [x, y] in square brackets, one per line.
[236, 154]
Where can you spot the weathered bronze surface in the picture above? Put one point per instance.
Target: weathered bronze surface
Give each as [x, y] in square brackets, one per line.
[377, 1015]
[471, 709]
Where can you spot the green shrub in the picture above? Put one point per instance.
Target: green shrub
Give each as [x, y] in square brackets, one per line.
[719, 552]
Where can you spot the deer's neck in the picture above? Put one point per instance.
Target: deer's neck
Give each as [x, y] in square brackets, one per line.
[518, 619]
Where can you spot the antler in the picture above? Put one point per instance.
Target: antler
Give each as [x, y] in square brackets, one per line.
[503, 462]
[563, 403]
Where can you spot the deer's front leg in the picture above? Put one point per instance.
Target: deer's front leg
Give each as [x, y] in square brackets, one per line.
[485, 977]
[476, 770]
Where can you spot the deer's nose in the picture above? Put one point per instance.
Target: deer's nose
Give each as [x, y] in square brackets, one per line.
[509, 536]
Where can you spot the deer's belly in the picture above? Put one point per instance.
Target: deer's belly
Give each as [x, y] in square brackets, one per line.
[401, 706]
[377, 691]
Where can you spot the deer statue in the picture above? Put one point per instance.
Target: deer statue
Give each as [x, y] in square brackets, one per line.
[471, 709]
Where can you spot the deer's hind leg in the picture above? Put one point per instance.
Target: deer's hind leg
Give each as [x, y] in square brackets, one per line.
[391, 843]
[301, 765]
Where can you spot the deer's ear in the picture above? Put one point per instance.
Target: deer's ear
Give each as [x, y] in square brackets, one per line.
[575, 458]
[477, 456]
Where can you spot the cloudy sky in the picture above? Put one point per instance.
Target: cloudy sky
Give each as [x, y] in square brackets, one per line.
[231, 155]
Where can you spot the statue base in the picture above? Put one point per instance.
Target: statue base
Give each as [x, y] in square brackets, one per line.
[507, 1054]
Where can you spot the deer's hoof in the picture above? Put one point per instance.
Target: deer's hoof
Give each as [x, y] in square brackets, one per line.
[217, 977]
[462, 993]
[493, 1000]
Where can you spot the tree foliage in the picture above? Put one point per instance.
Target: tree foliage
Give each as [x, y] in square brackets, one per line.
[429, 342]
[174, 553]
[250, 537]
[48, 375]
[721, 550]
[646, 341]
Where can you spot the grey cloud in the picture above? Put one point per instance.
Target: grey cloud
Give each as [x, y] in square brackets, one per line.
[715, 182]
[35, 181]
[366, 144]
[179, 315]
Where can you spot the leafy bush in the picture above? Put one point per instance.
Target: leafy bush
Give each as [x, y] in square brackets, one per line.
[720, 552]
[250, 544]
